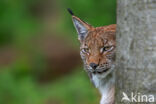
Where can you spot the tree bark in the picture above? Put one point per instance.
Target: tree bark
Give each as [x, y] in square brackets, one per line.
[136, 49]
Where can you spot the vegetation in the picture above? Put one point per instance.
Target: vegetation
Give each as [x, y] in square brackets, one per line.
[39, 56]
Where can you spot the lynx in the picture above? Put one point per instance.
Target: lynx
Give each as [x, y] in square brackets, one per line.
[97, 50]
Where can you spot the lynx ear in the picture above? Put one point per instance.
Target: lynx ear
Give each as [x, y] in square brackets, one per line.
[82, 28]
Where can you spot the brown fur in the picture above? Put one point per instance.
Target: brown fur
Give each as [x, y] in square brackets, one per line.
[97, 47]
[96, 39]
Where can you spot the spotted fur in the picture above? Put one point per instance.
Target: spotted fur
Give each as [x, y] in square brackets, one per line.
[97, 46]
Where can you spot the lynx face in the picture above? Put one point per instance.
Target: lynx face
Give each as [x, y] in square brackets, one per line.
[97, 46]
[98, 50]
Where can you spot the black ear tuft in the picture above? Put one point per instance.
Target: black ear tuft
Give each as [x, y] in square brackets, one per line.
[70, 11]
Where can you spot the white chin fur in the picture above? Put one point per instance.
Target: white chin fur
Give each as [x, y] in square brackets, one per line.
[104, 84]
[97, 78]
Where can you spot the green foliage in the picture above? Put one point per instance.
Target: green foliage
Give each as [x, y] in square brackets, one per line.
[21, 23]
[95, 12]
[17, 22]
[72, 89]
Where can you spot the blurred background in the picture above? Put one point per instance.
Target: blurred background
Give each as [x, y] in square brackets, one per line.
[39, 50]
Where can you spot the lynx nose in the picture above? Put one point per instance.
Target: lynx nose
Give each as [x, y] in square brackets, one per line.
[93, 65]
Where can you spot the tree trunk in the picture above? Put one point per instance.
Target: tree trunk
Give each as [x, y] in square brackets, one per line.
[136, 50]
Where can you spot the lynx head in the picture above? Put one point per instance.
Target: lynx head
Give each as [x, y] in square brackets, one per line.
[97, 46]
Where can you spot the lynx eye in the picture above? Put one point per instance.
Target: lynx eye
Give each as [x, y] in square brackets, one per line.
[85, 50]
[106, 48]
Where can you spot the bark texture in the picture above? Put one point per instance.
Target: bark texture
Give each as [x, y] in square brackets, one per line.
[136, 48]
